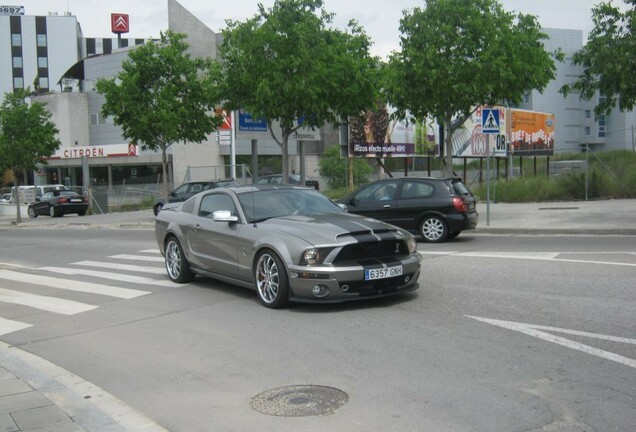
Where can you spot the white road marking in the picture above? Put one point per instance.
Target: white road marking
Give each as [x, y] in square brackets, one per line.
[137, 257]
[535, 331]
[156, 251]
[117, 266]
[71, 285]
[541, 256]
[111, 276]
[45, 303]
[10, 326]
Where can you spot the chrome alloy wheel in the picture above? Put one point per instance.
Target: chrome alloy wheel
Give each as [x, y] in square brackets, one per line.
[433, 229]
[177, 265]
[267, 278]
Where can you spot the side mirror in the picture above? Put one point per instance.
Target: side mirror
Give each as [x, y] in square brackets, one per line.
[224, 216]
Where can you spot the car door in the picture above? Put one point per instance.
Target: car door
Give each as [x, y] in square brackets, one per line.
[377, 201]
[418, 196]
[41, 206]
[214, 243]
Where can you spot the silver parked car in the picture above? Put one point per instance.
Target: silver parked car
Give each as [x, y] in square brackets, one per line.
[289, 243]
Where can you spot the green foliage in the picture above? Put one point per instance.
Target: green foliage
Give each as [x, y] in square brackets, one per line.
[287, 62]
[458, 54]
[27, 135]
[607, 59]
[162, 96]
[334, 169]
[612, 175]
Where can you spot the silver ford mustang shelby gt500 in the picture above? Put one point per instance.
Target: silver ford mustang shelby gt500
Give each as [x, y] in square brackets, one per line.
[289, 243]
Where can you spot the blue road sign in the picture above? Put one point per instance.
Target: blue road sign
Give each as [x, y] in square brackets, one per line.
[490, 121]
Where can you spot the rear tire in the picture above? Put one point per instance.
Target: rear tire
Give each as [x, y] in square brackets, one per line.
[31, 213]
[177, 265]
[271, 281]
[53, 212]
[82, 213]
[433, 229]
[157, 208]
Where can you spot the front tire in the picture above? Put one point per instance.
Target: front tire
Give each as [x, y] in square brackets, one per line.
[31, 213]
[270, 278]
[433, 229]
[177, 265]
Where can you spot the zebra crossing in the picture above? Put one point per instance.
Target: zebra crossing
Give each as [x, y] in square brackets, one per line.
[144, 268]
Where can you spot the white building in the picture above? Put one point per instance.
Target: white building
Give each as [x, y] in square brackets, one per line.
[576, 126]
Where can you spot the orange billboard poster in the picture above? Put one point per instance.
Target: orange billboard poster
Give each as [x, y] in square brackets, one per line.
[531, 133]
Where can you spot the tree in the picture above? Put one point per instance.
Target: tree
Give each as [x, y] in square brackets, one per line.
[162, 96]
[286, 64]
[27, 136]
[459, 54]
[608, 59]
[334, 168]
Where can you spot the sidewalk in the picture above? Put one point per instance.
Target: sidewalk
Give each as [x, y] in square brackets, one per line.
[573, 217]
[36, 395]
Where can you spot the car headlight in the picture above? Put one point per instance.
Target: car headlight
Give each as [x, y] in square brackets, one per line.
[412, 245]
[311, 256]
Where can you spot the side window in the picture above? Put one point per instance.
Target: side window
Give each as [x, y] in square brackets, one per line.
[384, 191]
[417, 190]
[47, 196]
[213, 202]
[197, 187]
[181, 189]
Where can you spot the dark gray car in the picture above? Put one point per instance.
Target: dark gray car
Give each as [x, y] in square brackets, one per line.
[287, 243]
[188, 189]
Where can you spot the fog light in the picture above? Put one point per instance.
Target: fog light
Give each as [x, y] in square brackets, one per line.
[320, 291]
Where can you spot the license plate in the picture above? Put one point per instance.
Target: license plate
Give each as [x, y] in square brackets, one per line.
[76, 200]
[382, 273]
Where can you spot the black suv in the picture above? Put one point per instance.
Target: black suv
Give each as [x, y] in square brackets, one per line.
[189, 189]
[435, 208]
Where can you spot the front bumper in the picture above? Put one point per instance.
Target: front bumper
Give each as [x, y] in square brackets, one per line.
[345, 282]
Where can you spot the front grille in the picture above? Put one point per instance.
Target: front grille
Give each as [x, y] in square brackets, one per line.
[371, 250]
[377, 287]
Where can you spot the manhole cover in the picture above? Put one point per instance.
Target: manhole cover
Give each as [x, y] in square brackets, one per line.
[299, 401]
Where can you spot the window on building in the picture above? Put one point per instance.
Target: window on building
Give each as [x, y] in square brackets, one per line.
[43, 62]
[17, 62]
[41, 40]
[588, 130]
[16, 40]
[588, 114]
[94, 119]
[601, 126]
[43, 82]
[18, 83]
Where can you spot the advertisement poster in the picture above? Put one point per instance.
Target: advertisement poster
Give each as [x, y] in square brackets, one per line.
[376, 134]
[470, 142]
[531, 133]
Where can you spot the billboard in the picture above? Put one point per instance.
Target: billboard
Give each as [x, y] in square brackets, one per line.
[470, 142]
[531, 133]
[377, 134]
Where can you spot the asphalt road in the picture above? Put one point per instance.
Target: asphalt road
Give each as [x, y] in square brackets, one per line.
[507, 333]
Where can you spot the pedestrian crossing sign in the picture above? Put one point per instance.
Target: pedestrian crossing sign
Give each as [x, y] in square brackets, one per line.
[490, 121]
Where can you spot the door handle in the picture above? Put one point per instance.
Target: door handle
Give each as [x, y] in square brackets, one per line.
[387, 206]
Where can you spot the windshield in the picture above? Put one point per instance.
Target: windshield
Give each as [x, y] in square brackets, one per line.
[265, 204]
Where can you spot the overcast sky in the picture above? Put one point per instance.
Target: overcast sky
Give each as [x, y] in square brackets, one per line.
[380, 18]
